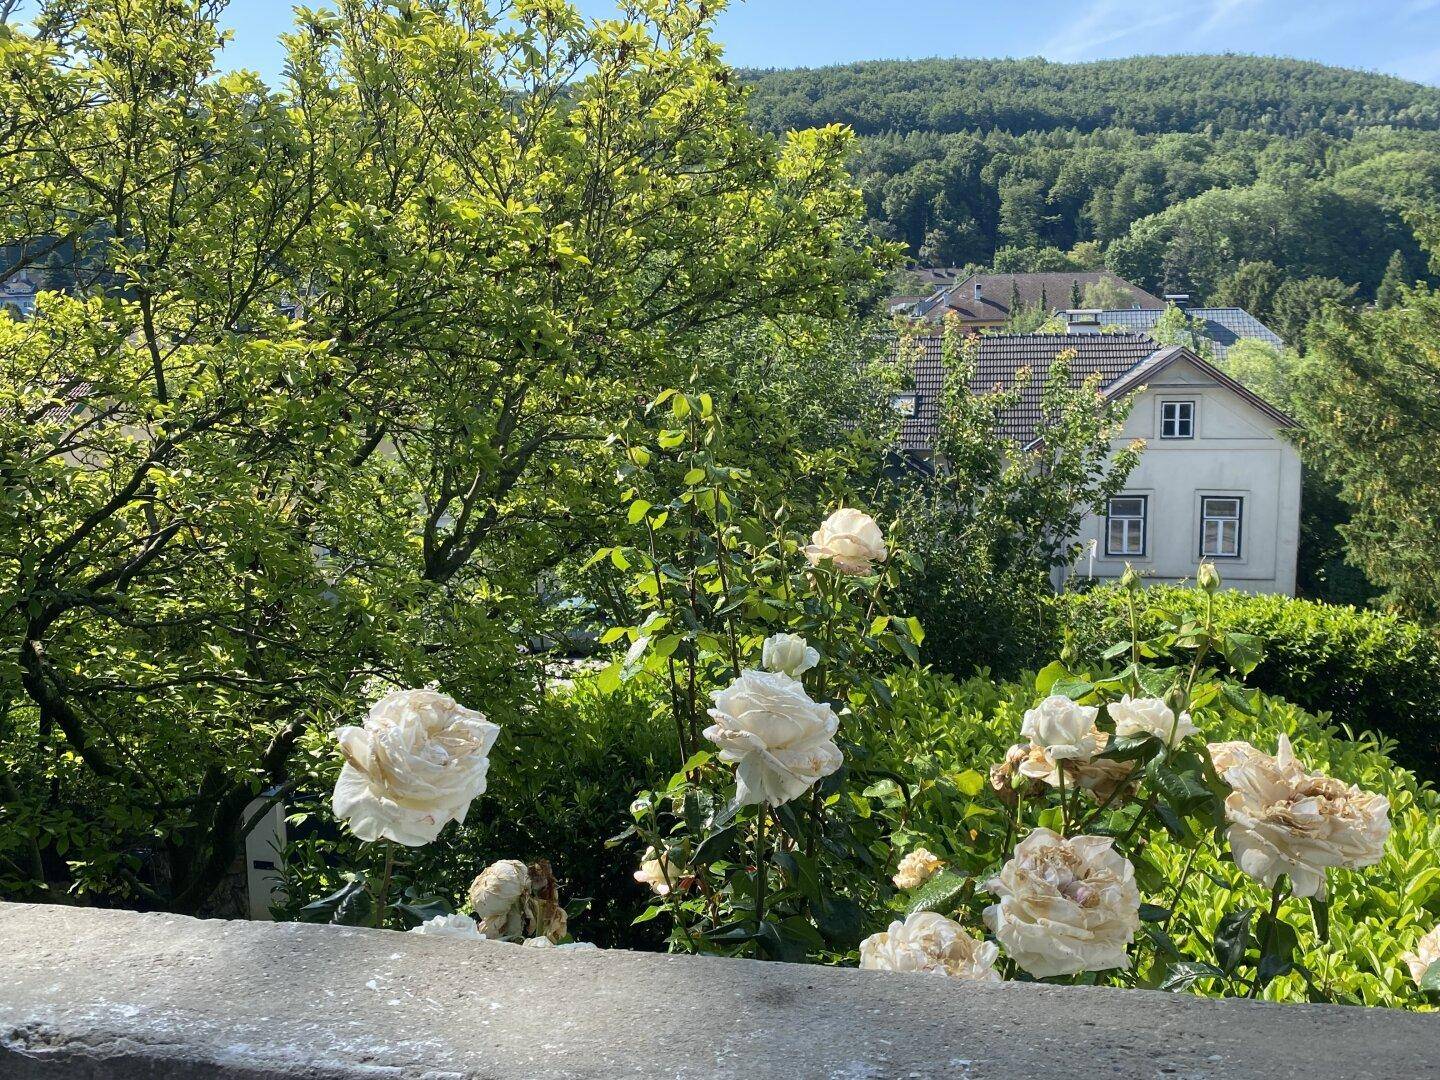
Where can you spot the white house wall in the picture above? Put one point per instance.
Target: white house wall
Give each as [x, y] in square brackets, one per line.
[1237, 450]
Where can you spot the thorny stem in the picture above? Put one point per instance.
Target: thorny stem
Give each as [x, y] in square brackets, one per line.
[762, 869]
[1276, 895]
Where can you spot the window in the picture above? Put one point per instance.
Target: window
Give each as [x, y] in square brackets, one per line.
[906, 405]
[1177, 420]
[1125, 525]
[1220, 526]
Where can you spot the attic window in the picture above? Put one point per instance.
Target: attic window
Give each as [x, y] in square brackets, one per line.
[1177, 419]
[907, 405]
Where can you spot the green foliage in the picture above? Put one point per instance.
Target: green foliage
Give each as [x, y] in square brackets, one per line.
[1148, 94]
[1370, 414]
[1367, 670]
[331, 396]
[988, 529]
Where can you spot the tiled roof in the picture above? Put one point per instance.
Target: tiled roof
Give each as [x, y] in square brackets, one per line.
[998, 363]
[1223, 326]
[997, 290]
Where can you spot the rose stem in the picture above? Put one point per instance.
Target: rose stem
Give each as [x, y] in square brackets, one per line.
[761, 868]
[385, 883]
[1275, 897]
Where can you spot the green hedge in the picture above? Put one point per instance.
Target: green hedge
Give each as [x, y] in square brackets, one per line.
[1368, 670]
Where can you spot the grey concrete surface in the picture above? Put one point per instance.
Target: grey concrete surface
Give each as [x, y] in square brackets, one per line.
[117, 995]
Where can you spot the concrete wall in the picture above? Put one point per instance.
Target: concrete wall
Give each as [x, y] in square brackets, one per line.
[1237, 450]
[115, 995]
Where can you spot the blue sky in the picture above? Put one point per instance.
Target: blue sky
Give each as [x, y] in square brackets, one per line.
[1401, 37]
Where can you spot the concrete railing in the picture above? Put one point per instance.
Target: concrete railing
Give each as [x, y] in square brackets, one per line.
[86, 993]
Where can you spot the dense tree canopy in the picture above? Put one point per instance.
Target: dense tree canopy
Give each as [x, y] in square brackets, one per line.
[338, 404]
[1172, 170]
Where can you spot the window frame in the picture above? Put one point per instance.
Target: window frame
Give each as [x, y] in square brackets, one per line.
[1238, 519]
[1165, 404]
[912, 398]
[1143, 519]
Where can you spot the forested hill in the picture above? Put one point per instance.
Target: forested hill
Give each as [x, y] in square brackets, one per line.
[1145, 93]
[1178, 172]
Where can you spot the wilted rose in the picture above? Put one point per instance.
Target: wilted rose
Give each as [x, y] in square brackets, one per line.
[1425, 955]
[1150, 716]
[415, 764]
[850, 539]
[781, 741]
[915, 869]
[1284, 820]
[930, 943]
[497, 895]
[1101, 777]
[790, 654]
[1064, 729]
[457, 926]
[1066, 905]
[1003, 775]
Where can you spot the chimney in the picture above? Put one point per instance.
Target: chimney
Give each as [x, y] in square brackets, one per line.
[1082, 321]
[1180, 299]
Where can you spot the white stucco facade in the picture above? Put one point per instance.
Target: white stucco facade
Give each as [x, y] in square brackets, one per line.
[1234, 479]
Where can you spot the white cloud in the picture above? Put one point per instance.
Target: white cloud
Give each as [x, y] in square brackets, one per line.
[1105, 22]
[1223, 12]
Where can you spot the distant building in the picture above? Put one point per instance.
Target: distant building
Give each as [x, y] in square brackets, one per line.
[18, 294]
[987, 301]
[1224, 326]
[1217, 479]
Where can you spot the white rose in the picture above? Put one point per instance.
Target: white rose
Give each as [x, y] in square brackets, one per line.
[788, 653]
[1150, 716]
[569, 946]
[1064, 729]
[415, 764]
[1065, 905]
[1284, 820]
[915, 869]
[781, 741]
[458, 926]
[656, 872]
[1427, 953]
[930, 943]
[850, 539]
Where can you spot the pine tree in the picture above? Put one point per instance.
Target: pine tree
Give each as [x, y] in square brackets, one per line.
[1074, 292]
[1396, 278]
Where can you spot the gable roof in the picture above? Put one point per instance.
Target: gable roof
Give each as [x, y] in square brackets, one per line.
[997, 290]
[1123, 362]
[1223, 326]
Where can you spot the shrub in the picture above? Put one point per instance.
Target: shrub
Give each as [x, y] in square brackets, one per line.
[1368, 670]
[561, 779]
[952, 729]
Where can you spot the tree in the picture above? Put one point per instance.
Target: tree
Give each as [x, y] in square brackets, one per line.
[1299, 302]
[1107, 295]
[991, 525]
[1397, 277]
[339, 398]
[1251, 286]
[1372, 416]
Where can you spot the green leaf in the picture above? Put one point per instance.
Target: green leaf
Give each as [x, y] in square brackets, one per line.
[646, 915]
[1232, 938]
[940, 893]
[970, 782]
[840, 919]
[1183, 974]
[1073, 688]
[1238, 699]
[1430, 981]
[1320, 910]
[1243, 651]
[638, 509]
[1048, 676]
[1153, 913]
[716, 846]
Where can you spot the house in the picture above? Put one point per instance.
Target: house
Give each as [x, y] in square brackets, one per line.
[987, 301]
[17, 295]
[1222, 326]
[1217, 479]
